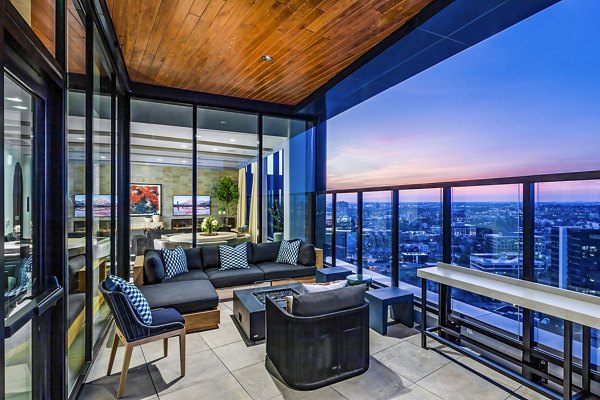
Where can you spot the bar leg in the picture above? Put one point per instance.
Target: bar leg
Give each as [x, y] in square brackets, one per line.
[423, 313]
[568, 359]
[586, 349]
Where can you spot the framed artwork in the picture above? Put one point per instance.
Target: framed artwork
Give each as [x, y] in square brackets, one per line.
[182, 205]
[145, 199]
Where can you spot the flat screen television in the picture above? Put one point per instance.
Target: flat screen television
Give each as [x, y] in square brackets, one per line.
[182, 205]
[100, 205]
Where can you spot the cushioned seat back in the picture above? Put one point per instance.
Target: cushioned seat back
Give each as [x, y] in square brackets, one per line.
[154, 267]
[328, 301]
[210, 257]
[307, 255]
[75, 264]
[194, 258]
[264, 252]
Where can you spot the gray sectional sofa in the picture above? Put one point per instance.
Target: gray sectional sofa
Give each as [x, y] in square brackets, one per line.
[194, 293]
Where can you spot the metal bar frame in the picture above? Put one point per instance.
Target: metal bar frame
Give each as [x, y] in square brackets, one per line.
[359, 233]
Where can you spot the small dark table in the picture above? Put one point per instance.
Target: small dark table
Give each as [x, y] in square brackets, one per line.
[249, 306]
[332, 274]
[359, 279]
[379, 300]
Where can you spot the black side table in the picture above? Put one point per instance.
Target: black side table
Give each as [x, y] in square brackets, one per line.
[379, 300]
[332, 274]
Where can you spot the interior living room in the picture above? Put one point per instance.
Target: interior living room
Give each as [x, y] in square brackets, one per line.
[292, 199]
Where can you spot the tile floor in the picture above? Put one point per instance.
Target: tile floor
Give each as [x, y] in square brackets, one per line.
[221, 366]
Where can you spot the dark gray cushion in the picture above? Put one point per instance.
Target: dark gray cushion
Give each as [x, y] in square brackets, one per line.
[265, 252]
[76, 305]
[274, 270]
[210, 257]
[306, 254]
[194, 258]
[235, 277]
[154, 268]
[188, 276]
[329, 301]
[185, 296]
[75, 265]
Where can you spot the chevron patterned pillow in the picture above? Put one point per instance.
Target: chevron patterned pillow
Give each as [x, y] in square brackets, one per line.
[134, 296]
[233, 257]
[288, 252]
[175, 262]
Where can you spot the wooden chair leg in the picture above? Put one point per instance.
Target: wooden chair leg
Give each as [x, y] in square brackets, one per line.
[166, 346]
[113, 352]
[182, 352]
[126, 360]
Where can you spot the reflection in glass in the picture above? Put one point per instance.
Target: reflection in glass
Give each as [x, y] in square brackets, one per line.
[18, 232]
[419, 236]
[377, 236]
[346, 229]
[567, 250]
[487, 235]
[327, 251]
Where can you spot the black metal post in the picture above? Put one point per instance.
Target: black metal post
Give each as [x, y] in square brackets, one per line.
[113, 176]
[395, 237]
[194, 175]
[259, 171]
[586, 350]
[447, 225]
[333, 228]
[124, 165]
[424, 313]
[568, 359]
[2, 273]
[528, 270]
[359, 233]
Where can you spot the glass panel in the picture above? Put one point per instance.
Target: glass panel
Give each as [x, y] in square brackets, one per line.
[420, 235]
[567, 251]
[101, 194]
[288, 178]
[346, 228]
[41, 16]
[328, 254]
[487, 236]
[377, 236]
[76, 233]
[18, 232]
[161, 175]
[227, 146]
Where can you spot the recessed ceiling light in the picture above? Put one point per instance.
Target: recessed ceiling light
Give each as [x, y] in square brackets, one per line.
[103, 157]
[183, 161]
[159, 160]
[232, 140]
[215, 149]
[80, 138]
[20, 107]
[184, 145]
[267, 58]
[223, 122]
[15, 99]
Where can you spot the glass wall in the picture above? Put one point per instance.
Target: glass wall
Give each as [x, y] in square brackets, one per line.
[227, 182]
[567, 250]
[377, 236]
[487, 235]
[288, 179]
[161, 175]
[420, 234]
[346, 250]
[19, 228]
[329, 218]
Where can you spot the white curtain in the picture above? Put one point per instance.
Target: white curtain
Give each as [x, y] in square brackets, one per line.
[253, 225]
[242, 203]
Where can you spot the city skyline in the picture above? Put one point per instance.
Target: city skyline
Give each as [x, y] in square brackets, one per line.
[524, 100]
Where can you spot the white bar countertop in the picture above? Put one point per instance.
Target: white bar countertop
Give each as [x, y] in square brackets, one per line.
[566, 304]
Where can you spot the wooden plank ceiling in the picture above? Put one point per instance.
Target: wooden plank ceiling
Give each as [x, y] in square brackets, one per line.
[215, 46]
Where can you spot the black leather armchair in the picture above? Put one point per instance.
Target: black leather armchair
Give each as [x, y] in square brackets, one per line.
[307, 353]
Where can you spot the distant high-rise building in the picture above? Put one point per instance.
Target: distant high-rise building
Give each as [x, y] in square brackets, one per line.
[575, 258]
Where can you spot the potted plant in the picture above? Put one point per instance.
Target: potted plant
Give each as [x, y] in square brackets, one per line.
[209, 226]
[277, 216]
[226, 192]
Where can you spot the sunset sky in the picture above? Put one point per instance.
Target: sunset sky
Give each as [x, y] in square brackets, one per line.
[523, 102]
